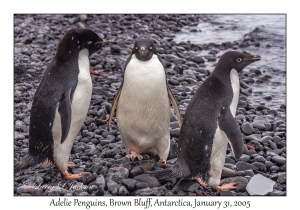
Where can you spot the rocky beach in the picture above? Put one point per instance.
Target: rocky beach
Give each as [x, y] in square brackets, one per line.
[190, 46]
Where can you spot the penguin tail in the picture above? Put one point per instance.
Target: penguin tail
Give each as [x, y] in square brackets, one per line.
[27, 162]
[167, 173]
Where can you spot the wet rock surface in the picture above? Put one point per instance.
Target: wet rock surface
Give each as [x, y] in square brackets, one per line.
[99, 153]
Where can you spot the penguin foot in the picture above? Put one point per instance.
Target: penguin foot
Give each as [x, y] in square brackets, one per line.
[227, 186]
[134, 155]
[250, 147]
[201, 182]
[68, 176]
[103, 74]
[71, 165]
[163, 161]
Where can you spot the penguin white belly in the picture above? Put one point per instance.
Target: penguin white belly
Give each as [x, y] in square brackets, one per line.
[143, 110]
[80, 104]
[218, 153]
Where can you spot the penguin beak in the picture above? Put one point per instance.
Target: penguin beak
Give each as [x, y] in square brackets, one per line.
[104, 42]
[143, 49]
[253, 58]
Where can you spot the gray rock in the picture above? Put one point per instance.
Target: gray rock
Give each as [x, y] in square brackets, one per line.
[260, 166]
[113, 187]
[175, 132]
[116, 174]
[227, 172]
[188, 186]
[258, 124]
[256, 137]
[198, 59]
[147, 178]
[100, 181]
[247, 128]
[129, 184]
[123, 191]
[279, 160]
[260, 185]
[242, 166]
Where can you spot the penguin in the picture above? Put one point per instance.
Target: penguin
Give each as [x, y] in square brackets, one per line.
[61, 103]
[143, 103]
[209, 124]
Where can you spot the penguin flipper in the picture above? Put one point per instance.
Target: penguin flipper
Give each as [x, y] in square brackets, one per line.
[231, 128]
[114, 107]
[64, 109]
[174, 103]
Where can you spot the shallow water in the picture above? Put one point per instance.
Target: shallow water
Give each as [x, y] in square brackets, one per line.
[268, 30]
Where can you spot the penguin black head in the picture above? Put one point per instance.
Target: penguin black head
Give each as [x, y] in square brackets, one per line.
[236, 60]
[143, 49]
[78, 39]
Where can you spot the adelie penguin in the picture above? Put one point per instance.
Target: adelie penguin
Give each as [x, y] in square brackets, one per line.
[61, 102]
[142, 103]
[209, 124]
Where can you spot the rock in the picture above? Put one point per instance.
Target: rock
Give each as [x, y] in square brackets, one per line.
[100, 181]
[129, 184]
[282, 178]
[242, 166]
[175, 132]
[241, 182]
[145, 165]
[173, 82]
[256, 137]
[260, 185]
[247, 128]
[279, 160]
[266, 139]
[188, 186]
[100, 192]
[113, 187]
[260, 166]
[173, 149]
[117, 174]
[226, 193]
[226, 173]
[258, 124]
[147, 178]
[198, 59]
[123, 191]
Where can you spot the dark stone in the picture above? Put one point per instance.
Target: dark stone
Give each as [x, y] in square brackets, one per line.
[226, 193]
[247, 128]
[123, 191]
[113, 187]
[147, 178]
[226, 173]
[260, 166]
[129, 184]
[175, 132]
[141, 185]
[100, 192]
[242, 166]
[188, 186]
[198, 59]
[173, 149]
[279, 160]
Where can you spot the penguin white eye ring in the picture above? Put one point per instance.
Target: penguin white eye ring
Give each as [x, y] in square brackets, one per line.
[239, 60]
[89, 42]
[150, 48]
[136, 48]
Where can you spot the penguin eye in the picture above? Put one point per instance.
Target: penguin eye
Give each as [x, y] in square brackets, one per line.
[150, 48]
[136, 48]
[238, 60]
[89, 42]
